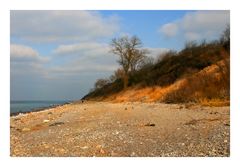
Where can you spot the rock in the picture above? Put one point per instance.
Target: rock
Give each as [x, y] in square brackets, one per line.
[56, 124]
[149, 124]
[46, 121]
[99, 146]
[126, 108]
[49, 113]
[84, 147]
[113, 154]
[62, 150]
[102, 151]
[26, 129]
[46, 146]
[133, 154]
[227, 124]
[225, 141]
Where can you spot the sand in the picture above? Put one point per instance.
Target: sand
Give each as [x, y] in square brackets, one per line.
[122, 129]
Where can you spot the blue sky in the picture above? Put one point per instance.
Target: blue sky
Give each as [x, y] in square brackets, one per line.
[58, 55]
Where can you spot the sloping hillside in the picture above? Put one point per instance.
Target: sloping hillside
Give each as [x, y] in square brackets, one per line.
[205, 84]
[198, 73]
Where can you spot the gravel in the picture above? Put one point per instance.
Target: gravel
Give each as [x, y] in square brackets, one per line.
[109, 129]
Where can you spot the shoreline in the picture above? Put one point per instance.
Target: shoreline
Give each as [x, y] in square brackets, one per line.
[39, 109]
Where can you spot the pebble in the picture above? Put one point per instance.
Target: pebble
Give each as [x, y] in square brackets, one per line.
[84, 147]
[102, 151]
[149, 124]
[114, 154]
[133, 154]
[225, 141]
[46, 121]
[46, 146]
[62, 150]
[26, 129]
[99, 146]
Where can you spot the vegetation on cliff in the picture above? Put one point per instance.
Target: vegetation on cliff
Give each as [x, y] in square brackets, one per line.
[200, 71]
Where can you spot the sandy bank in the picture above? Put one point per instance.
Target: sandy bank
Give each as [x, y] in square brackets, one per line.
[122, 129]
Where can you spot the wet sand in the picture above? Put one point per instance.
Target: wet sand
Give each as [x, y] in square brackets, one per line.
[122, 129]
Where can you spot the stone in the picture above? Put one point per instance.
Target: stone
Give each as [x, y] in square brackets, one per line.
[149, 124]
[57, 124]
[84, 147]
[113, 154]
[46, 146]
[102, 151]
[62, 150]
[46, 121]
[133, 154]
[26, 129]
[99, 146]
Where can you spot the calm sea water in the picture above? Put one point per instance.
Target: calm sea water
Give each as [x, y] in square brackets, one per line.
[26, 106]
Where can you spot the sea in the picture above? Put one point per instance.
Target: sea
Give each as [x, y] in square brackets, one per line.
[27, 106]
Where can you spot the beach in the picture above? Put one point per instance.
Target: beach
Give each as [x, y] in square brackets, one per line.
[122, 130]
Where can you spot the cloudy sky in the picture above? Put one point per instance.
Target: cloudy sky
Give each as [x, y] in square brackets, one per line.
[58, 55]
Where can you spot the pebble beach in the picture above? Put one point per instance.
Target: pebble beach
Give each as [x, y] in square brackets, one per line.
[106, 129]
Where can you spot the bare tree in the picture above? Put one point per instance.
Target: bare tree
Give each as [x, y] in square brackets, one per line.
[129, 52]
[225, 38]
[101, 83]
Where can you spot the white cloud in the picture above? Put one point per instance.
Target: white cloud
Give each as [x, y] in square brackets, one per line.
[22, 51]
[25, 53]
[85, 57]
[169, 29]
[156, 52]
[82, 49]
[57, 26]
[198, 25]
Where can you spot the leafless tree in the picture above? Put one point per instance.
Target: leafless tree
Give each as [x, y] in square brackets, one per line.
[130, 53]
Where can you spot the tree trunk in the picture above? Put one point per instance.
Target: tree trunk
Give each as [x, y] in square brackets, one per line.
[125, 81]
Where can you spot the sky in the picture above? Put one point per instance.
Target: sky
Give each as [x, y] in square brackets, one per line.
[58, 55]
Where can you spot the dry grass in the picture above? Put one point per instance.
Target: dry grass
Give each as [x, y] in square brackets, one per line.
[214, 102]
[209, 87]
